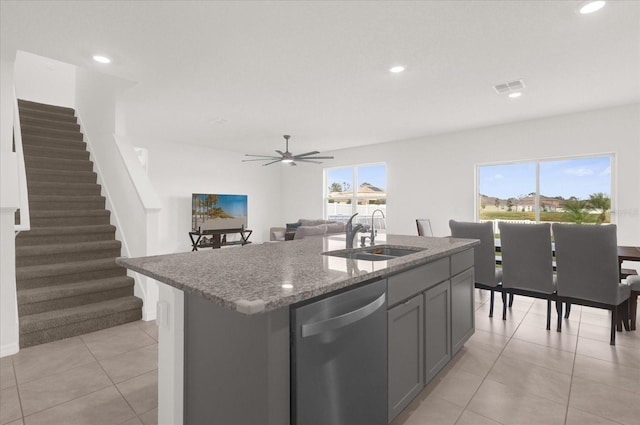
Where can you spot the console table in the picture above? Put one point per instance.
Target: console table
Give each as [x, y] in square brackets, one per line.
[218, 238]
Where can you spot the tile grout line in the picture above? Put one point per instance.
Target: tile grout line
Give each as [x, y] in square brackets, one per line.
[572, 374]
[113, 384]
[491, 368]
[15, 377]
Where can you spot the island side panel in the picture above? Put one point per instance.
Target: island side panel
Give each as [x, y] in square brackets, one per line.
[170, 319]
[236, 366]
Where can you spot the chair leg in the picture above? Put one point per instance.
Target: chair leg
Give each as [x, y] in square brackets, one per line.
[614, 319]
[491, 303]
[504, 305]
[548, 315]
[623, 315]
[567, 311]
[511, 296]
[559, 311]
[633, 309]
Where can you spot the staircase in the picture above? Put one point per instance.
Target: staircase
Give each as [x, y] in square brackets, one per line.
[67, 280]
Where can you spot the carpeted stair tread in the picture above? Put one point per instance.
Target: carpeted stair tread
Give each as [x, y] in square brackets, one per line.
[73, 289]
[46, 115]
[65, 202]
[53, 142]
[51, 132]
[41, 300]
[58, 318]
[45, 163]
[69, 213]
[39, 174]
[45, 107]
[66, 248]
[32, 272]
[58, 230]
[55, 152]
[65, 234]
[49, 123]
[64, 188]
[66, 218]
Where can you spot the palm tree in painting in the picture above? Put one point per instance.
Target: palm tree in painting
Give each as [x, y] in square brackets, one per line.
[211, 201]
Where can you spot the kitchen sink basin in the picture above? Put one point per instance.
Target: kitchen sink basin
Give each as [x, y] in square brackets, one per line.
[373, 253]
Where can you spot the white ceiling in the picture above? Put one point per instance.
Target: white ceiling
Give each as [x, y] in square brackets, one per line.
[238, 75]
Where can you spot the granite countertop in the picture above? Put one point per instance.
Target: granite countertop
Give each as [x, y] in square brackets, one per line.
[263, 277]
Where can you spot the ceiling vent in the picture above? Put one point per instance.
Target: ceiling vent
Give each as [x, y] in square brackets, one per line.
[509, 87]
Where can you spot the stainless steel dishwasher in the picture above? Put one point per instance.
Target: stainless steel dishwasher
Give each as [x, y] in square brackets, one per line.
[339, 359]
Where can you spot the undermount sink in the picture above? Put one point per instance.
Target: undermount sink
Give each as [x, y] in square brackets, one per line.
[373, 253]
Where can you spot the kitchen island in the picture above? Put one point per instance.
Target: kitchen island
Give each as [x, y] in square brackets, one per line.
[224, 319]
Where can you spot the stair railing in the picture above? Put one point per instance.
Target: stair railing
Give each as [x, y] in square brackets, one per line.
[23, 193]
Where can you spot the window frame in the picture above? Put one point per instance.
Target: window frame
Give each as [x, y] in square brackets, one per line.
[537, 161]
[355, 185]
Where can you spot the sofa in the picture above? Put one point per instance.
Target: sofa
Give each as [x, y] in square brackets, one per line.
[305, 228]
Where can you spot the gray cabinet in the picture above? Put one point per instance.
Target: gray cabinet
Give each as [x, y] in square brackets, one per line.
[405, 355]
[462, 309]
[437, 328]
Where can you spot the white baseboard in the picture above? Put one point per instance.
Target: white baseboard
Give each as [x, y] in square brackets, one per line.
[9, 349]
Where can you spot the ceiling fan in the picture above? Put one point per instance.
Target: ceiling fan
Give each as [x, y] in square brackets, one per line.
[287, 157]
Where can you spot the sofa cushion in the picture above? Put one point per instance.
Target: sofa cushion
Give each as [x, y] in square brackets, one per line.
[307, 222]
[335, 227]
[304, 231]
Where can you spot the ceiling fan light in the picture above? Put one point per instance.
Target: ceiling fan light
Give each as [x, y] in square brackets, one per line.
[287, 160]
[591, 6]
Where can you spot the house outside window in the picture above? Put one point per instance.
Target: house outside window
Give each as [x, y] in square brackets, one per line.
[568, 190]
[358, 189]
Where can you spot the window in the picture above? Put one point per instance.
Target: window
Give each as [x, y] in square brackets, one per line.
[341, 201]
[576, 190]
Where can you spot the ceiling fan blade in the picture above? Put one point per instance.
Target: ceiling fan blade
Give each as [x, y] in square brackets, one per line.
[305, 154]
[262, 156]
[306, 160]
[313, 157]
[272, 162]
[293, 164]
[259, 159]
[280, 153]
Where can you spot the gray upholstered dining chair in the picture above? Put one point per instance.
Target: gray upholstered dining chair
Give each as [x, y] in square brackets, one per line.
[424, 227]
[487, 276]
[527, 264]
[587, 268]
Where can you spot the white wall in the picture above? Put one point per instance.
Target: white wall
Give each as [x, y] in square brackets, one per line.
[178, 170]
[9, 331]
[434, 176]
[44, 80]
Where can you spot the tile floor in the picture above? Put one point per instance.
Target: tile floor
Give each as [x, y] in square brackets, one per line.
[509, 372]
[105, 377]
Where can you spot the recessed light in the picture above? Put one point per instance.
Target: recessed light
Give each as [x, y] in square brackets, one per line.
[101, 59]
[397, 69]
[591, 6]
[287, 286]
[515, 95]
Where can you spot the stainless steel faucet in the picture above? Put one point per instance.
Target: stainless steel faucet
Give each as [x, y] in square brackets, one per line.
[352, 231]
[374, 232]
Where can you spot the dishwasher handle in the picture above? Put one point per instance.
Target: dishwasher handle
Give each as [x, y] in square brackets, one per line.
[343, 320]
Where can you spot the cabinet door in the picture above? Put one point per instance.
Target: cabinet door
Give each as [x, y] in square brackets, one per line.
[462, 309]
[437, 329]
[405, 368]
